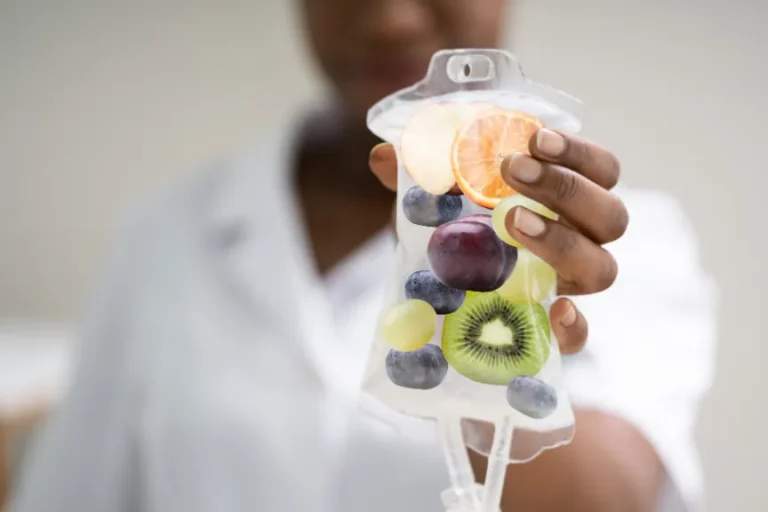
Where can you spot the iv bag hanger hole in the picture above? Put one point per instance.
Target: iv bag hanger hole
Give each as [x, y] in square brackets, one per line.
[469, 68]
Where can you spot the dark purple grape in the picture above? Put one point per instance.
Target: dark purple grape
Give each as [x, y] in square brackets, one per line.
[425, 209]
[423, 285]
[424, 368]
[468, 255]
[532, 397]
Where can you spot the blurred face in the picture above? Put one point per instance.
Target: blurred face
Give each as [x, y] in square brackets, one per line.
[370, 48]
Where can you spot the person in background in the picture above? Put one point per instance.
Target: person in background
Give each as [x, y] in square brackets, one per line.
[211, 373]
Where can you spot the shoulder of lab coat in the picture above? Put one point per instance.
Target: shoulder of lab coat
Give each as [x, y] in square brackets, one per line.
[85, 457]
[112, 444]
[653, 338]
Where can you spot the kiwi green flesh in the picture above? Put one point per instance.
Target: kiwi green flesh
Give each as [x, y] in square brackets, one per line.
[492, 341]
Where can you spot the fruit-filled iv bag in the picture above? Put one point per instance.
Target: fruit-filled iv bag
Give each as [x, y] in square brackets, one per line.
[464, 336]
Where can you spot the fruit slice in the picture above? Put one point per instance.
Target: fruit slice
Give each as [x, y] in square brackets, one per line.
[492, 340]
[532, 281]
[424, 368]
[409, 325]
[481, 145]
[532, 397]
[503, 208]
[425, 145]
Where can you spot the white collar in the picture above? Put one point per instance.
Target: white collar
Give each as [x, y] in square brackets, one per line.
[241, 219]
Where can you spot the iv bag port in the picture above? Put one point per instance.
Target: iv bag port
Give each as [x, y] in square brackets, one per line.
[469, 68]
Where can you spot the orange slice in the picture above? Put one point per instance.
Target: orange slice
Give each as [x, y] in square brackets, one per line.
[479, 148]
[426, 143]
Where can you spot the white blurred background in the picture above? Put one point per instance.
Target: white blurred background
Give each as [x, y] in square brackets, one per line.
[103, 102]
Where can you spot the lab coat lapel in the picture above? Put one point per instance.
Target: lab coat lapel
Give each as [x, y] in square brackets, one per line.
[243, 231]
[254, 214]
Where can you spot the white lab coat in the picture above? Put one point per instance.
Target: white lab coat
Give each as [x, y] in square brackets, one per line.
[218, 372]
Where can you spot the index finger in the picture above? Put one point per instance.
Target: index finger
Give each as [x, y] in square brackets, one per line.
[591, 160]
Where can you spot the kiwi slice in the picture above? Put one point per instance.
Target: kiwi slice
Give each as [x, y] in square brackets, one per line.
[491, 340]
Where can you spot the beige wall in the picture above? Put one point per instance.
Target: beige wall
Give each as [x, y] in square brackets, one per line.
[680, 94]
[99, 104]
[102, 101]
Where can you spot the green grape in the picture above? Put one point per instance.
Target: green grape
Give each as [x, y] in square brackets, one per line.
[502, 209]
[532, 281]
[409, 325]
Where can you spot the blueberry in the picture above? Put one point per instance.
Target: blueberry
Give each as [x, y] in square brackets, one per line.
[424, 209]
[423, 285]
[424, 368]
[532, 397]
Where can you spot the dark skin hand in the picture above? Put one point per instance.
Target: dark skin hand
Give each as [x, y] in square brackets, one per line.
[370, 48]
[574, 179]
[609, 465]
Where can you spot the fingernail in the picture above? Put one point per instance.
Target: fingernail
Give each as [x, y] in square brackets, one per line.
[377, 152]
[569, 318]
[528, 222]
[550, 143]
[524, 168]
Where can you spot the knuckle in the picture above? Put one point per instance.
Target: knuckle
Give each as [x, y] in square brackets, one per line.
[566, 242]
[567, 286]
[612, 170]
[618, 224]
[607, 273]
[622, 222]
[578, 151]
[567, 186]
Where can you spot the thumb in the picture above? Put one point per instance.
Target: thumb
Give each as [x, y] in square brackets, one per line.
[383, 164]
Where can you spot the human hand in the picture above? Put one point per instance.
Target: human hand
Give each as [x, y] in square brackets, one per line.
[572, 177]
